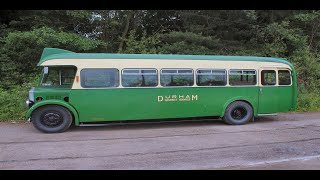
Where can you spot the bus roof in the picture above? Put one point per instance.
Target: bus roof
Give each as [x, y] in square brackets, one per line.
[55, 53]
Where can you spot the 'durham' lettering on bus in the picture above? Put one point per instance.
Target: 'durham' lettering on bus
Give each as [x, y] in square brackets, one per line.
[170, 98]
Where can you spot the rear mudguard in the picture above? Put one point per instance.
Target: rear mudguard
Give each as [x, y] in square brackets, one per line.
[239, 99]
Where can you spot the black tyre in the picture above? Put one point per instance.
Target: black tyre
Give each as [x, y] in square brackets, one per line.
[238, 113]
[51, 119]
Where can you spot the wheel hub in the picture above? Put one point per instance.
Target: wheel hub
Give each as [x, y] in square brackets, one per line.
[239, 113]
[51, 119]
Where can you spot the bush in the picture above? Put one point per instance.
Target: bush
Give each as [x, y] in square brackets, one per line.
[308, 101]
[12, 102]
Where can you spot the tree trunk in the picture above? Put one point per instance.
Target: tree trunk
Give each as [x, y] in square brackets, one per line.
[125, 31]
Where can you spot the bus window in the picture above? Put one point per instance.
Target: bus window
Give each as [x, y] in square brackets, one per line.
[98, 78]
[242, 77]
[284, 77]
[268, 77]
[176, 77]
[139, 77]
[58, 76]
[211, 77]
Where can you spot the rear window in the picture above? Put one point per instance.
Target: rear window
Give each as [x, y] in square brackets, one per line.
[284, 77]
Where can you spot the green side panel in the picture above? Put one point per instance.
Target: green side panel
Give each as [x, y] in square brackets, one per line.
[51, 93]
[274, 99]
[55, 102]
[95, 105]
[285, 100]
[268, 100]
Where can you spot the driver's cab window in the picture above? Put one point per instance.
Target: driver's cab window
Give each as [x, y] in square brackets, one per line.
[58, 76]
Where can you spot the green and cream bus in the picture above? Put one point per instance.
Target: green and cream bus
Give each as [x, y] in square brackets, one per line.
[97, 88]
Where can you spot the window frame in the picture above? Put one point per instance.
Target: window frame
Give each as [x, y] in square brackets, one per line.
[256, 74]
[118, 75]
[226, 76]
[278, 83]
[157, 74]
[195, 72]
[60, 78]
[276, 77]
[193, 76]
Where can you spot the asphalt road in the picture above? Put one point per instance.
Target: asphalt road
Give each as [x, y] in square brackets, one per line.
[286, 141]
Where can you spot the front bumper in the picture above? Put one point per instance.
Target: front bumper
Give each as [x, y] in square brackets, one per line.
[29, 103]
[30, 100]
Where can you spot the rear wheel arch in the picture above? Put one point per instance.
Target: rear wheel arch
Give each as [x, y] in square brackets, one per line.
[238, 113]
[234, 100]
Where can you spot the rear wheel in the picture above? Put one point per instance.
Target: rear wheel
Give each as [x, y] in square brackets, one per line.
[51, 119]
[238, 113]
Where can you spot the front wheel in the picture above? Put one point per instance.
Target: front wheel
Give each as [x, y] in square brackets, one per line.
[51, 119]
[238, 113]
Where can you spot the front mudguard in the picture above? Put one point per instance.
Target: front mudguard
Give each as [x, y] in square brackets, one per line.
[54, 102]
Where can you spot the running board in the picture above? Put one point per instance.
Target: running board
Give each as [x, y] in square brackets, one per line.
[146, 122]
[275, 114]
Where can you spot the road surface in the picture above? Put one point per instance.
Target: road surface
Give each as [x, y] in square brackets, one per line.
[286, 141]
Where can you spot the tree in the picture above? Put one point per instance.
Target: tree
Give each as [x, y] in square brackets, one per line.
[188, 43]
[21, 51]
[125, 30]
[141, 45]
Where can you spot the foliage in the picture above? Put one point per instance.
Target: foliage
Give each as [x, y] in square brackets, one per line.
[187, 43]
[308, 101]
[142, 45]
[290, 34]
[12, 102]
[21, 51]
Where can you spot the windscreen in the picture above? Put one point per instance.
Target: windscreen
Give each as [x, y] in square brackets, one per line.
[58, 76]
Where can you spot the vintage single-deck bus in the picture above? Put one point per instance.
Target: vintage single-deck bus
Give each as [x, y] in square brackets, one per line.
[95, 88]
